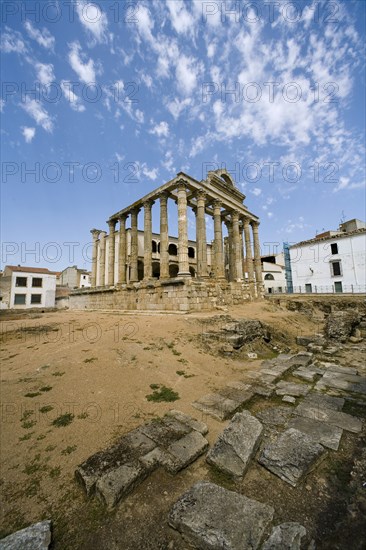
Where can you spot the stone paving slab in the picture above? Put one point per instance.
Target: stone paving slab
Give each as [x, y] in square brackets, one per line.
[291, 456]
[291, 388]
[216, 405]
[210, 517]
[172, 442]
[275, 416]
[34, 537]
[326, 434]
[324, 401]
[236, 445]
[334, 367]
[306, 373]
[336, 418]
[347, 382]
[286, 536]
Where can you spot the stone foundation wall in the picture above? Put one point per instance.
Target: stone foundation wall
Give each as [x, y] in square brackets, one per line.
[171, 295]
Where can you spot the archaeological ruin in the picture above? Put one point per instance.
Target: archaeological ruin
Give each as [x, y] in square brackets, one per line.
[142, 270]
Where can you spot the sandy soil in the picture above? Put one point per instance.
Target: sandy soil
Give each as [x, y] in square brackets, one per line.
[99, 368]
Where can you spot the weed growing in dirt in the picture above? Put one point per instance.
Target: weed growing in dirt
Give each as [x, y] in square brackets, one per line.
[83, 415]
[46, 409]
[26, 436]
[58, 373]
[70, 449]
[46, 388]
[183, 373]
[63, 420]
[29, 424]
[55, 472]
[90, 359]
[162, 394]
[32, 394]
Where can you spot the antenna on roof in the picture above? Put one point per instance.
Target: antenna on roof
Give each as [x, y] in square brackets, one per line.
[343, 217]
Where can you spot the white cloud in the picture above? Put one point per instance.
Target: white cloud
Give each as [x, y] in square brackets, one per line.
[256, 191]
[160, 130]
[38, 113]
[45, 73]
[93, 19]
[187, 71]
[145, 23]
[2, 105]
[72, 98]
[43, 37]
[12, 41]
[344, 184]
[182, 21]
[151, 173]
[168, 163]
[85, 70]
[28, 133]
[176, 107]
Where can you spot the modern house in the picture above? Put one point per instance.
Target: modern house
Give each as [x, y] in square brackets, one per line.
[333, 261]
[27, 287]
[274, 278]
[73, 277]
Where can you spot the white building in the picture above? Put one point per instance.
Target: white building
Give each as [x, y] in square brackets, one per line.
[273, 268]
[334, 261]
[27, 287]
[73, 277]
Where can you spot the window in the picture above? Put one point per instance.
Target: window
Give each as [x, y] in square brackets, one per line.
[308, 288]
[19, 299]
[334, 248]
[21, 281]
[335, 269]
[338, 286]
[269, 277]
[154, 246]
[173, 250]
[36, 298]
[37, 282]
[191, 253]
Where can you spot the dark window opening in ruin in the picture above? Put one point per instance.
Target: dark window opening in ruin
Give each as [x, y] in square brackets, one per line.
[191, 252]
[336, 269]
[192, 271]
[140, 270]
[156, 269]
[19, 299]
[21, 281]
[159, 248]
[36, 298]
[173, 270]
[173, 250]
[334, 248]
[154, 246]
[308, 288]
[269, 277]
[37, 282]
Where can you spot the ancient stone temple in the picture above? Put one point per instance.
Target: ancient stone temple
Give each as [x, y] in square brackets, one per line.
[142, 270]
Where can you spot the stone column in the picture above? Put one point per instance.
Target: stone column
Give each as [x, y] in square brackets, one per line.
[201, 235]
[164, 240]
[147, 240]
[257, 256]
[95, 233]
[182, 232]
[122, 251]
[248, 255]
[102, 247]
[231, 250]
[219, 271]
[236, 247]
[111, 251]
[242, 250]
[134, 246]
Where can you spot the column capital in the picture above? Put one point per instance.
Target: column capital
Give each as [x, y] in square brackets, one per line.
[245, 221]
[182, 186]
[163, 196]
[235, 215]
[217, 204]
[201, 194]
[148, 204]
[135, 210]
[95, 233]
[255, 225]
[112, 225]
[103, 234]
[122, 218]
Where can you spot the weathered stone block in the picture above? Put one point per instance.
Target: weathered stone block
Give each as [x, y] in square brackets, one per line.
[326, 434]
[286, 536]
[210, 517]
[236, 445]
[184, 451]
[119, 482]
[291, 388]
[291, 456]
[34, 537]
[340, 419]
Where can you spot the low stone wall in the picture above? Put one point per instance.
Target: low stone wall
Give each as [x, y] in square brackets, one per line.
[170, 295]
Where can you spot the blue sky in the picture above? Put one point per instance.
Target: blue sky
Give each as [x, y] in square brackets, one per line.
[104, 101]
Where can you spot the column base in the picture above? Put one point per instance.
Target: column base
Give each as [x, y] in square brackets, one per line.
[184, 274]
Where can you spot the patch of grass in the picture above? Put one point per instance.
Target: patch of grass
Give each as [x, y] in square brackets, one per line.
[175, 352]
[83, 415]
[170, 345]
[154, 386]
[32, 394]
[45, 367]
[29, 424]
[58, 373]
[27, 379]
[46, 388]
[90, 359]
[221, 478]
[355, 408]
[46, 409]
[50, 448]
[55, 472]
[163, 394]
[25, 437]
[183, 361]
[183, 373]
[63, 420]
[27, 414]
[133, 358]
[40, 437]
[70, 449]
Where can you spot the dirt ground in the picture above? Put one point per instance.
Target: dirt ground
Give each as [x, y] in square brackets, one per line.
[99, 367]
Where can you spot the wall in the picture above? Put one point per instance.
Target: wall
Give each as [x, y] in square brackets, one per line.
[48, 290]
[171, 295]
[310, 263]
[279, 281]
